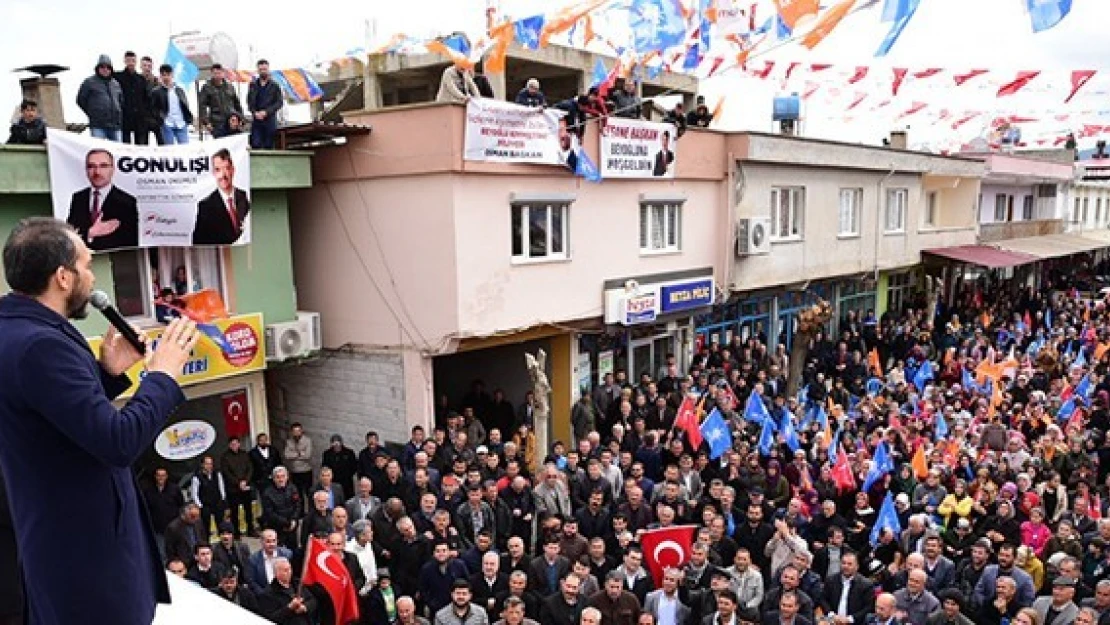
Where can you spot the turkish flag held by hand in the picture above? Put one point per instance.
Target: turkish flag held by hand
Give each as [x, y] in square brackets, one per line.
[328, 571]
[236, 414]
[687, 419]
[665, 548]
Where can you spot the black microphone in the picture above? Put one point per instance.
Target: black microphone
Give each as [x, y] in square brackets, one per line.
[100, 301]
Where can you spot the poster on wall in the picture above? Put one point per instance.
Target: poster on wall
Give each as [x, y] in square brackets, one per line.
[604, 365]
[504, 132]
[585, 374]
[632, 148]
[120, 196]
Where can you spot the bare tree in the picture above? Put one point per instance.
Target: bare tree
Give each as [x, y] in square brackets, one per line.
[810, 321]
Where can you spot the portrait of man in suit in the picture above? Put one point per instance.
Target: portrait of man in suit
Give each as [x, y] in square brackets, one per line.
[220, 216]
[104, 215]
[664, 157]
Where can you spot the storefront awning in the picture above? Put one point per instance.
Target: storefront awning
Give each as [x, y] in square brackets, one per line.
[982, 255]
[1052, 245]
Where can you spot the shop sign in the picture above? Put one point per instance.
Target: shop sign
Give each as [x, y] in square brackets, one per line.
[185, 440]
[640, 308]
[680, 296]
[245, 335]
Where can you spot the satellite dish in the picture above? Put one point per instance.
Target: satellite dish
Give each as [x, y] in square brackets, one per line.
[205, 50]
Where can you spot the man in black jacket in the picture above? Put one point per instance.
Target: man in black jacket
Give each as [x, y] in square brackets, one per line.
[11, 584]
[101, 99]
[848, 597]
[136, 101]
[565, 606]
[282, 508]
[171, 107]
[218, 101]
[282, 603]
[264, 459]
[164, 501]
[264, 100]
[29, 129]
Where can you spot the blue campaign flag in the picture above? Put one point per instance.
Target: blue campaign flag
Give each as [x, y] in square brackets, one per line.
[1081, 359]
[185, 72]
[458, 43]
[1044, 14]
[586, 168]
[715, 431]
[834, 447]
[656, 25]
[528, 31]
[788, 433]
[803, 394]
[692, 59]
[1084, 388]
[600, 73]
[881, 464]
[887, 519]
[1048, 318]
[968, 380]
[900, 12]
[782, 31]
[767, 437]
[924, 375]
[822, 417]
[874, 387]
[910, 370]
[756, 411]
[940, 428]
[1066, 410]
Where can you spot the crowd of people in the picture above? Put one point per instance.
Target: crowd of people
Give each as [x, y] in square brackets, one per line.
[131, 104]
[969, 489]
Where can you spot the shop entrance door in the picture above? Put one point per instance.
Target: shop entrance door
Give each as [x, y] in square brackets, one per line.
[647, 355]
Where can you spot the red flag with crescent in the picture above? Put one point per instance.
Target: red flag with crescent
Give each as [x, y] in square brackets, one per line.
[326, 569]
[236, 414]
[667, 547]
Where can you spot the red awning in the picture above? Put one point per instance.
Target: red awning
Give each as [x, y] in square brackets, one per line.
[983, 255]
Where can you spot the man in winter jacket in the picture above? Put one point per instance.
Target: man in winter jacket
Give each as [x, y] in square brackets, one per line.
[172, 108]
[101, 98]
[29, 129]
[237, 470]
[264, 100]
[136, 101]
[218, 101]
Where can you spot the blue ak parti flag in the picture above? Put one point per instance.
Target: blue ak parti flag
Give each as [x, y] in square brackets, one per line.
[834, 447]
[924, 375]
[458, 43]
[756, 411]
[185, 72]
[656, 25]
[1066, 410]
[789, 435]
[528, 31]
[881, 465]
[716, 433]
[1081, 359]
[586, 168]
[692, 59]
[940, 427]
[1044, 14]
[1084, 388]
[767, 437]
[900, 12]
[600, 74]
[887, 519]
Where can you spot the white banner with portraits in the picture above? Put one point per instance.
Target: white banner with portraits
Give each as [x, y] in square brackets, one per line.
[504, 132]
[120, 196]
[632, 148]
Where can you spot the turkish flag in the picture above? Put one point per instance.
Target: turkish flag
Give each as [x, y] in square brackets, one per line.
[687, 419]
[668, 547]
[237, 415]
[327, 570]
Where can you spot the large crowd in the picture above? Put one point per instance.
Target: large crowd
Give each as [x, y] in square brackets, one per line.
[931, 470]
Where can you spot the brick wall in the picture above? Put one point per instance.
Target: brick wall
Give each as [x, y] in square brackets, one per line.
[340, 392]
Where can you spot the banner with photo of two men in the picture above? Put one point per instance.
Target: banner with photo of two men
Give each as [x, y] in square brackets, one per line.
[120, 196]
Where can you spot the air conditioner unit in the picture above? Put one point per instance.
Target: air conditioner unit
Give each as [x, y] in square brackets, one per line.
[312, 324]
[288, 340]
[753, 236]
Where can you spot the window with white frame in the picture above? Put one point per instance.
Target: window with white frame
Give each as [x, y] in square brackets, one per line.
[1002, 205]
[932, 204]
[788, 205]
[660, 227]
[139, 276]
[1075, 212]
[850, 202]
[1027, 208]
[539, 230]
[897, 201]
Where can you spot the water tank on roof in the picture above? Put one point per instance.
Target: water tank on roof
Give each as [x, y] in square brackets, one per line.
[787, 108]
[206, 49]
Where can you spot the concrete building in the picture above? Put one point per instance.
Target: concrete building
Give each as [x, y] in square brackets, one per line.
[255, 281]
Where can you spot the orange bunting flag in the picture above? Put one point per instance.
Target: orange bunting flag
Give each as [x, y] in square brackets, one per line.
[438, 47]
[502, 35]
[827, 22]
[718, 109]
[873, 361]
[919, 464]
[566, 19]
[1100, 350]
[793, 11]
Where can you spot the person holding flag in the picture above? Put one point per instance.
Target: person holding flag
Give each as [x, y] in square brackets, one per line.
[326, 571]
[285, 604]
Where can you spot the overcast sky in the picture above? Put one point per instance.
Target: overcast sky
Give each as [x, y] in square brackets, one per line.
[956, 34]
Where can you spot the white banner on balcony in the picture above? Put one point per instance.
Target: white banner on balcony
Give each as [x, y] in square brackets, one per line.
[503, 132]
[118, 195]
[632, 148]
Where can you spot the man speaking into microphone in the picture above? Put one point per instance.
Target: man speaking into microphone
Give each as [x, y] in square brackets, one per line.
[66, 450]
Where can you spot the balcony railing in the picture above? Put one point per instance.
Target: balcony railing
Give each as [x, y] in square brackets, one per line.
[1003, 231]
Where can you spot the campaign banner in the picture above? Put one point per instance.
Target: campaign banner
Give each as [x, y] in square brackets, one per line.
[120, 196]
[504, 132]
[632, 148]
[245, 334]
